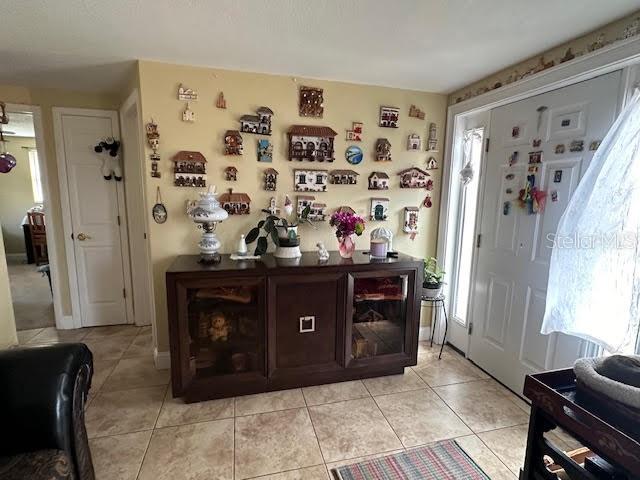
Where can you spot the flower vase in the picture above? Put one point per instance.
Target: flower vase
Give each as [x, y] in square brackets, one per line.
[346, 246]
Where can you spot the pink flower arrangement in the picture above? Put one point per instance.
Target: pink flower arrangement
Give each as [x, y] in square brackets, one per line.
[346, 224]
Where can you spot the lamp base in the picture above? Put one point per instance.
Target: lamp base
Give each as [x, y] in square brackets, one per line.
[209, 258]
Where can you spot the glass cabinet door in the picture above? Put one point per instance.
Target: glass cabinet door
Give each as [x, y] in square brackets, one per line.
[225, 330]
[378, 316]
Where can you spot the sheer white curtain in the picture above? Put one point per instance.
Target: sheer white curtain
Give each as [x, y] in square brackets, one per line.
[594, 277]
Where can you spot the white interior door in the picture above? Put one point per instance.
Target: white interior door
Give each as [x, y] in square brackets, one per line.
[99, 256]
[514, 252]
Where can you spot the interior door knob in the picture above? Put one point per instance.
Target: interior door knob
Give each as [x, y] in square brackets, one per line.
[83, 236]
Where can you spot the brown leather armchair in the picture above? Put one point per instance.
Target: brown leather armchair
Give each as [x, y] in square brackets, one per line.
[43, 391]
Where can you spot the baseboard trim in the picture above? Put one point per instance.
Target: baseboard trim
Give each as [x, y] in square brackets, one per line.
[161, 359]
[424, 333]
[16, 255]
[67, 323]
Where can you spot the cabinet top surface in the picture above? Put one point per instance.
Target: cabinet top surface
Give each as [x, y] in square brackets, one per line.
[189, 263]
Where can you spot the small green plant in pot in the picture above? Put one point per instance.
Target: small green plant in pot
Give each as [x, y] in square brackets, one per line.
[433, 278]
[283, 234]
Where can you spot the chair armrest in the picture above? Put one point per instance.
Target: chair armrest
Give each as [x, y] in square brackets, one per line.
[37, 396]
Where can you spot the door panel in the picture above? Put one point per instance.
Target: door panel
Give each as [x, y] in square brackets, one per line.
[94, 208]
[513, 259]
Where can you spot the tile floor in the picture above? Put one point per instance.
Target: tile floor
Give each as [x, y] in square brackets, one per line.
[138, 431]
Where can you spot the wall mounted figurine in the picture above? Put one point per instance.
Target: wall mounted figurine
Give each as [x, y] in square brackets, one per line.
[536, 142]
[379, 209]
[232, 142]
[323, 254]
[389, 117]
[260, 123]
[188, 94]
[576, 146]
[535, 157]
[427, 203]
[231, 174]
[311, 102]
[415, 112]
[310, 180]
[559, 149]
[432, 163]
[235, 203]
[317, 212]
[378, 181]
[288, 206]
[273, 208]
[432, 139]
[383, 150]
[410, 220]
[415, 177]
[309, 142]
[153, 140]
[188, 115]
[265, 150]
[221, 102]
[190, 169]
[353, 154]
[513, 158]
[593, 146]
[355, 134]
[343, 177]
[270, 179]
[414, 142]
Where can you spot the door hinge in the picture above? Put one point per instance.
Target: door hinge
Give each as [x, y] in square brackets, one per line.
[72, 237]
[124, 293]
[486, 144]
[145, 235]
[470, 330]
[118, 217]
[478, 240]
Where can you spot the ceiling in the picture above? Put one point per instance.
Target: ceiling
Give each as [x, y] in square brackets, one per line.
[20, 125]
[431, 45]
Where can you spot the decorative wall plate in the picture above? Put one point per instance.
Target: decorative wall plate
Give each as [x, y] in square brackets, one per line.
[353, 155]
[159, 211]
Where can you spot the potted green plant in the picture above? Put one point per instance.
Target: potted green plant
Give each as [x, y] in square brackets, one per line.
[283, 234]
[433, 278]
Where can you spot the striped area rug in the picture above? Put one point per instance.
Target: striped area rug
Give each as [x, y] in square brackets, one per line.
[443, 461]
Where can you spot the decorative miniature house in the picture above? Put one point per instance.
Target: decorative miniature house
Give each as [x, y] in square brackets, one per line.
[260, 123]
[389, 117]
[432, 164]
[232, 142]
[410, 220]
[270, 179]
[187, 94]
[432, 140]
[188, 115]
[190, 169]
[265, 150]
[310, 180]
[415, 112]
[273, 208]
[383, 150]
[221, 102]
[231, 174]
[311, 102]
[378, 181]
[379, 209]
[317, 212]
[343, 177]
[355, 134]
[414, 177]
[153, 139]
[414, 142]
[235, 203]
[309, 142]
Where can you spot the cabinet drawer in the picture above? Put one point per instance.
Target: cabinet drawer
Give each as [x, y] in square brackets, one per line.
[306, 322]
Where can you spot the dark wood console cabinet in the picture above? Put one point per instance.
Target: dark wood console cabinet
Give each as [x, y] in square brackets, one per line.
[241, 327]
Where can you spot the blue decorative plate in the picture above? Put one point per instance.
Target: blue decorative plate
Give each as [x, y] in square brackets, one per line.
[353, 155]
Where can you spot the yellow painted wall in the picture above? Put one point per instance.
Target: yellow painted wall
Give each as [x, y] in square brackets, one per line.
[344, 103]
[47, 99]
[612, 32]
[7, 321]
[16, 194]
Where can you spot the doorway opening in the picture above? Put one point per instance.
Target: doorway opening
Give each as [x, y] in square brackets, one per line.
[27, 240]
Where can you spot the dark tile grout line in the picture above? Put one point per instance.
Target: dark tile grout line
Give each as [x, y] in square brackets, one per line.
[146, 450]
[384, 416]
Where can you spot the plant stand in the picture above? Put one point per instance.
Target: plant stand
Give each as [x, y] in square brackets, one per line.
[438, 302]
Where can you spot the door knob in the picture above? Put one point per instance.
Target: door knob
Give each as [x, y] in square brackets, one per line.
[83, 236]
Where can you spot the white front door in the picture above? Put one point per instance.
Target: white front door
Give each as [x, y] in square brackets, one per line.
[514, 253]
[98, 263]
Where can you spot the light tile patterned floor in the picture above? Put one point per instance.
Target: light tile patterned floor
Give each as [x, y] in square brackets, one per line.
[138, 431]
